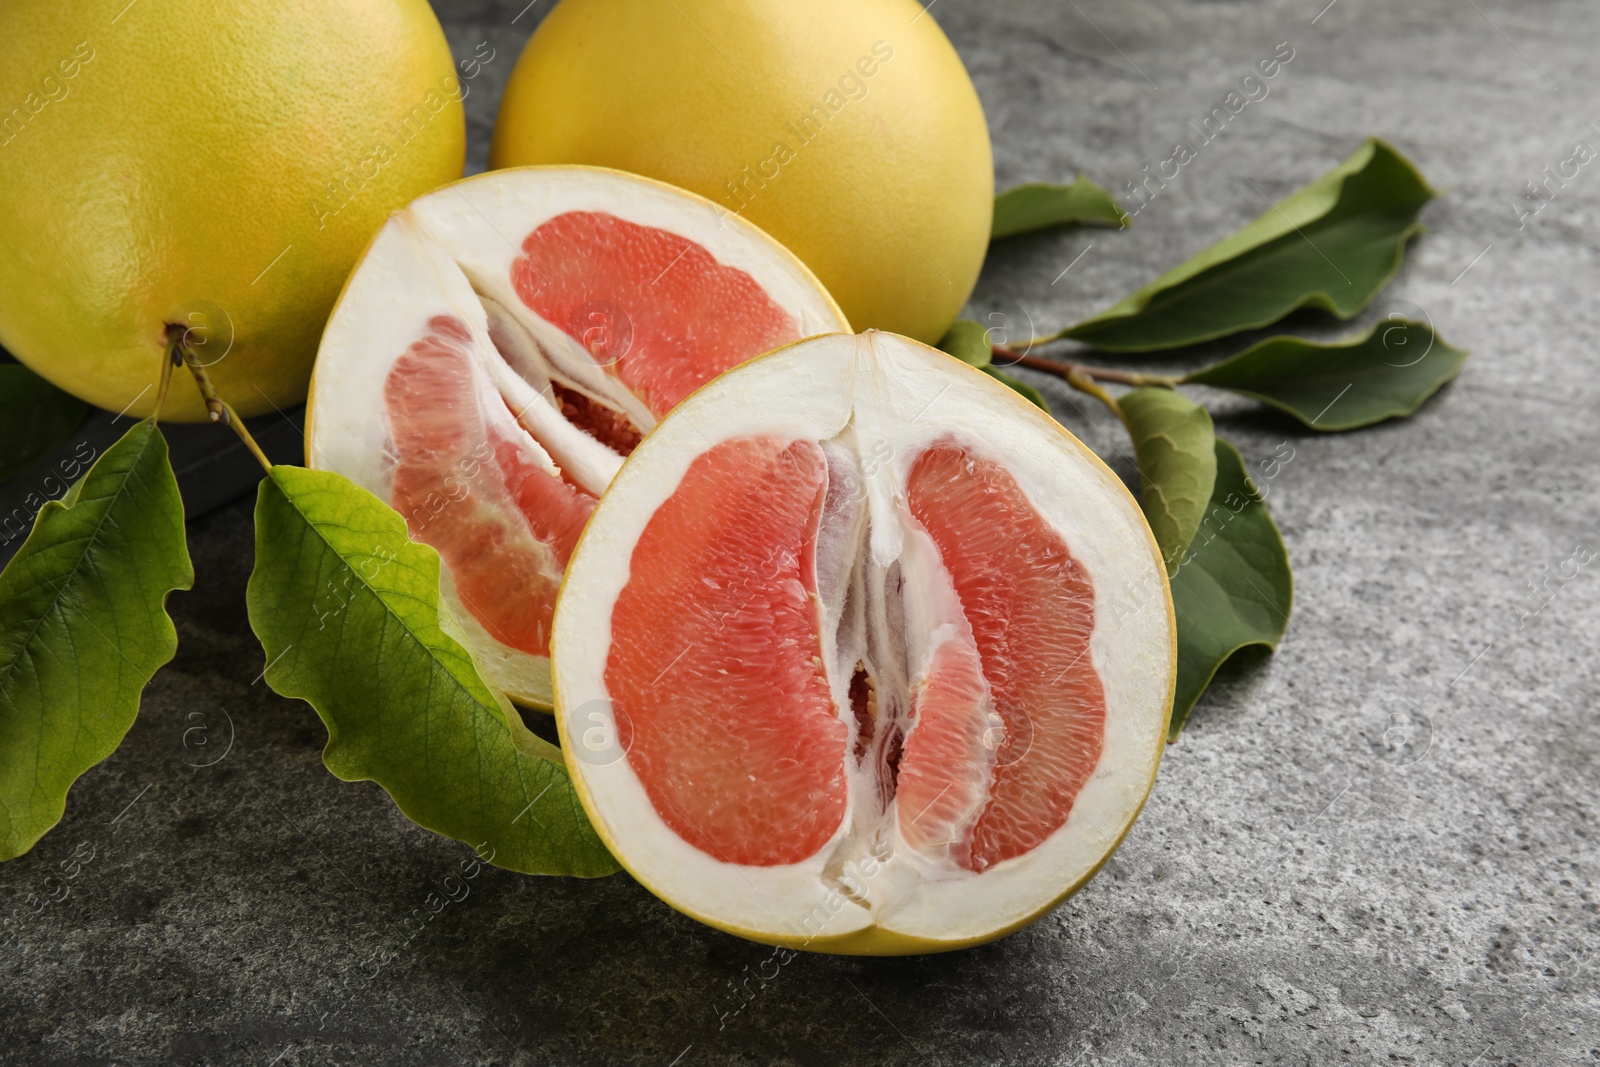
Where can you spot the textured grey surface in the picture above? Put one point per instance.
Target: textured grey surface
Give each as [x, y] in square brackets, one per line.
[1313, 881]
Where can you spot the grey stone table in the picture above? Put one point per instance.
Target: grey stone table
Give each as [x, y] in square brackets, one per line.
[1378, 845]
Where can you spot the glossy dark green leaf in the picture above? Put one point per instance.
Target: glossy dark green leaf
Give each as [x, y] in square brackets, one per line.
[84, 627]
[1331, 245]
[1028, 392]
[968, 341]
[1038, 205]
[35, 417]
[1173, 443]
[347, 609]
[1233, 588]
[1385, 374]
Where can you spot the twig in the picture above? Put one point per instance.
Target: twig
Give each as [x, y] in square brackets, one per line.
[220, 410]
[1063, 369]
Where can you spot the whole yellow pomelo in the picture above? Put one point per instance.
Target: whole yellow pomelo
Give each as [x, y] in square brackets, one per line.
[847, 129]
[217, 165]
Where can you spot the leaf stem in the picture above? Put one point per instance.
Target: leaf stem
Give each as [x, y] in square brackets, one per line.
[237, 423]
[1034, 342]
[171, 357]
[1084, 384]
[221, 411]
[1063, 369]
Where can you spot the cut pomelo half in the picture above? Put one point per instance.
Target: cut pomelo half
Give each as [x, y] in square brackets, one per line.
[504, 344]
[861, 652]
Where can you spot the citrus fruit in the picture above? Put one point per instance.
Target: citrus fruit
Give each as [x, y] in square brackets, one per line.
[502, 346]
[847, 129]
[863, 653]
[214, 168]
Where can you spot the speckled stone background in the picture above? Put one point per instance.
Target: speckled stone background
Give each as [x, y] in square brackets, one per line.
[1377, 846]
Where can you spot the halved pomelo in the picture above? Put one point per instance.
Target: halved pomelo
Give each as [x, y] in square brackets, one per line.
[503, 345]
[861, 652]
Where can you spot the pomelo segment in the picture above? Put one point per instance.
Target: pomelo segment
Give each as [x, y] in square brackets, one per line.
[889, 653]
[656, 303]
[737, 691]
[506, 341]
[1031, 608]
[468, 483]
[945, 775]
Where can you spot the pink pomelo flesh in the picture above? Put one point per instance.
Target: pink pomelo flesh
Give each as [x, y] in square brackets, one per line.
[1031, 609]
[716, 659]
[656, 304]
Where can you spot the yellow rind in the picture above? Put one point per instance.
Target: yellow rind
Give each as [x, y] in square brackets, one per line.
[210, 178]
[876, 940]
[885, 187]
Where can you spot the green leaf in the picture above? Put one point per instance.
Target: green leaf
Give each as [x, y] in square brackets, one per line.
[1385, 374]
[1173, 442]
[347, 609]
[83, 627]
[1331, 245]
[35, 417]
[1028, 392]
[968, 341]
[1038, 205]
[1232, 588]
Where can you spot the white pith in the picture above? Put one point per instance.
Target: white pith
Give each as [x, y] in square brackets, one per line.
[451, 252]
[884, 396]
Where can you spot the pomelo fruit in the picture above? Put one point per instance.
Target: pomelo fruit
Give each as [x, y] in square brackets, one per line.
[209, 167]
[504, 344]
[863, 653]
[847, 129]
